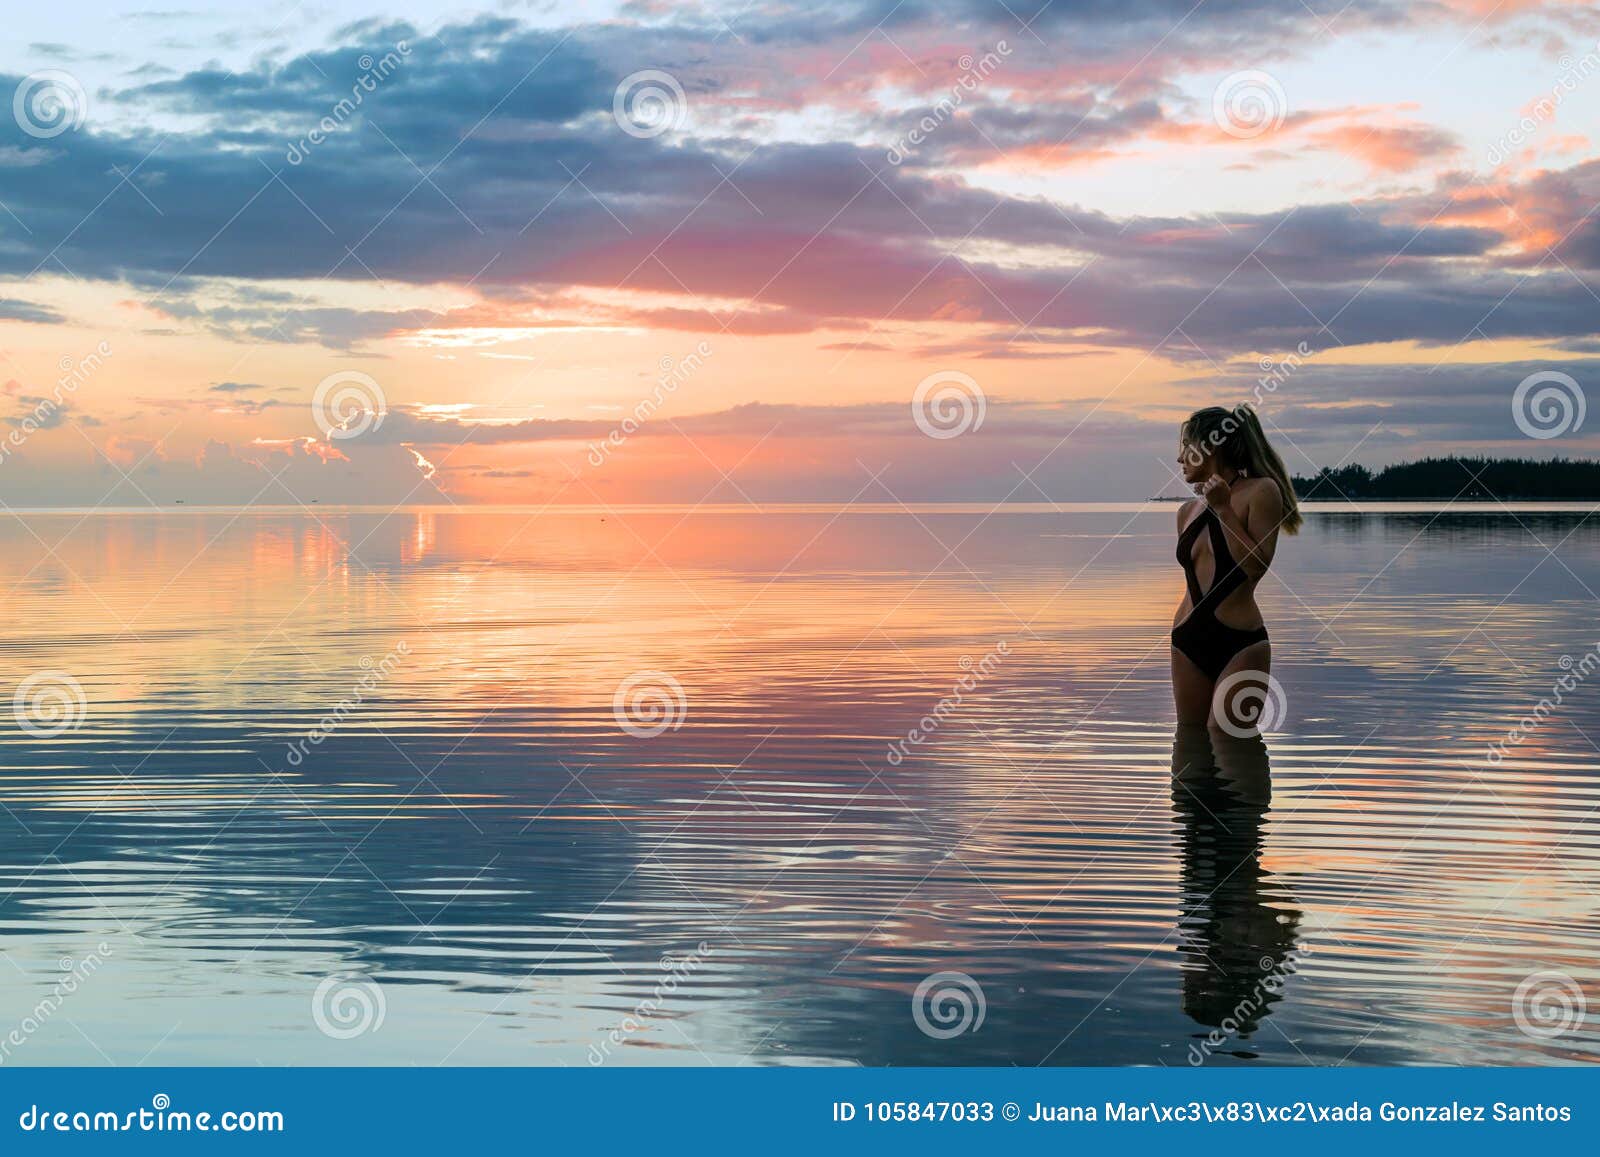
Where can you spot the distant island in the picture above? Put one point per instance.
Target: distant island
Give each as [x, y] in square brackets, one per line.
[1442, 479]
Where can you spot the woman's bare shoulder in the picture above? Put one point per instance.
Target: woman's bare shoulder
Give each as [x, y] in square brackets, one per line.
[1260, 494]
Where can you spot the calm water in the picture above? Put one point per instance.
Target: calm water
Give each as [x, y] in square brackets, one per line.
[352, 788]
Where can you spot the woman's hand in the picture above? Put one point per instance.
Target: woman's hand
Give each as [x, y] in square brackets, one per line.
[1217, 493]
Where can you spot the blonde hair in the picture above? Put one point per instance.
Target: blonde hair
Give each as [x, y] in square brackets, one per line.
[1236, 438]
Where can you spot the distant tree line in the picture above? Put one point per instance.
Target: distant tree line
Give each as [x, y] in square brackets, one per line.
[1553, 480]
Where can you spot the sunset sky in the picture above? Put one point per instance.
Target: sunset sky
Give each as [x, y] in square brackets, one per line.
[1087, 218]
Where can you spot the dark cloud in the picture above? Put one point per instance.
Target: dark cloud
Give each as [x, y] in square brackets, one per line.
[1317, 415]
[1328, 409]
[35, 412]
[136, 474]
[487, 155]
[13, 310]
[1381, 413]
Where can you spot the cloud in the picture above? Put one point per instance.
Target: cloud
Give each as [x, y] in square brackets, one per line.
[29, 413]
[1318, 415]
[72, 472]
[486, 171]
[1391, 148]
[545, 196]
[13, 310]
[1324, 412]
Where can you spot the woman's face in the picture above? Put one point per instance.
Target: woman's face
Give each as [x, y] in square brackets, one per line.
[1194, 462]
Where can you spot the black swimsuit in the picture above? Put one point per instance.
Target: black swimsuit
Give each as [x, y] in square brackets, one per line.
[1209, 643]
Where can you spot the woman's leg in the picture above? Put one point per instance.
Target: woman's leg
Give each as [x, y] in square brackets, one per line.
[1245, 694]
[1192, 755]
[1191, 690]
[1243, 766]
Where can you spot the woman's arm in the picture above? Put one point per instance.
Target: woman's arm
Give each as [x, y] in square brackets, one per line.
[1253, 538]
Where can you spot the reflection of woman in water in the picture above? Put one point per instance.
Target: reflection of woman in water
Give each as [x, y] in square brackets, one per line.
[1226, 540]
[1236, 925]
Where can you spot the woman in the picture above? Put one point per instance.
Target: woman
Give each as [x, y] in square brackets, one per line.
[1226, 540]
